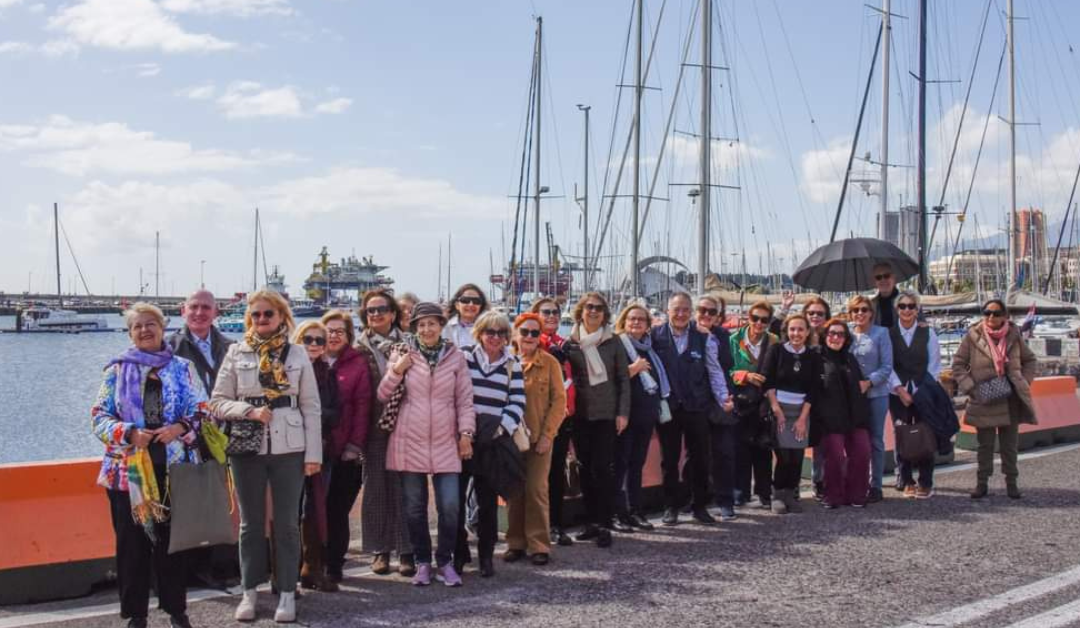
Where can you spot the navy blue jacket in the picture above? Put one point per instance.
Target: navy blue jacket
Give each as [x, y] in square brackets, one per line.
[689, 377]
[934, 407]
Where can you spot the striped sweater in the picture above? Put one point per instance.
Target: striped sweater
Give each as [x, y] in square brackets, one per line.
[498, 387]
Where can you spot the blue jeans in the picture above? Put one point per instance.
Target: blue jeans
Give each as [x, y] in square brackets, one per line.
[414, 488]
[879, 407]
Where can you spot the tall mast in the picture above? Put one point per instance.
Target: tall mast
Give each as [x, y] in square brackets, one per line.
[536, 156]
[56, 241]
[920, 176]
[585, 198]
[449, 250]
[634, 287]
[157, 263]
[255, 266]
[1012, 151]
[886, 40]
[706, 144]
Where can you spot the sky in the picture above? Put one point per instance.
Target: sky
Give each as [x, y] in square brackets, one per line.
[390, 128]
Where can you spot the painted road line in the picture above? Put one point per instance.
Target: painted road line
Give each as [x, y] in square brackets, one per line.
[101, 610]
[1060, 616]
[982, 608]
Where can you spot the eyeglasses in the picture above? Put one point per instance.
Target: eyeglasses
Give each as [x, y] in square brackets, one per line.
[549, 312]
[860, 310]
[754, 318]
[377, 310]
[256, 314]
[993, 313]
[708, 311]
[595, 307]
[335, 331]
[680, 310]
[637, 319]
[495, 333]
[836, 334]
[470, 301]
[906, 306]
[529, 333]
[314, 340]
[815, 313]
[883, 276]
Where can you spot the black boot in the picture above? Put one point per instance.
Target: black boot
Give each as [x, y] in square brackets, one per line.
[981, 490]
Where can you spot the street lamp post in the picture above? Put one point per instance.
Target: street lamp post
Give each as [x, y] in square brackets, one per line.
[202, 274]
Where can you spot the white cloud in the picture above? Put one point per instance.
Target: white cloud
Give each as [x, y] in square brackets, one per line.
[130, 25]
[37, 8]
[239, 8]
[5, 4]
[80, 148]
[15, 47]
[337, 105]
[823, 171]
[147, 70]
[59, 48]
[199, 92]
[247, 99]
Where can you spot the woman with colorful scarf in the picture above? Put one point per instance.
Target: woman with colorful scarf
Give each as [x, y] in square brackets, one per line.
[382, 527]
[266, 380]
[601, 376]
[148, 413]
[994, 352]
[754, 451]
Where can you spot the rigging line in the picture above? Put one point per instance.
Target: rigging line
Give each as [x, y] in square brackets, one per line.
[978, 157]
[73, 258]
[266, 269]
[629, 138]
[960, 125]
[615, 116]
[670, 121]
[1061, 234]
[858, 127]
[553, 118]
[523, 178]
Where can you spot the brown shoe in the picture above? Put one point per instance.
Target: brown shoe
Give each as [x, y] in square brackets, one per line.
[924, 493]
[406, 565]
[910, 492]
[381, 565]
[513, 555]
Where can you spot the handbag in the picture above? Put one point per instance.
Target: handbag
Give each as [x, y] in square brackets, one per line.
[522, 438]
[993, 390]
[389, 416]
[200, 498]
[573, 477]
[245, 437]
[915, 442]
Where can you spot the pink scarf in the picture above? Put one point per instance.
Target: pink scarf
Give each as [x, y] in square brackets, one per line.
[999, 351]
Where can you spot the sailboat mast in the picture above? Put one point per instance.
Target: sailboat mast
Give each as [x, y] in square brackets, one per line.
[1012, 150]
[585, 199]
[886, 40]
[536, 155]
[56, 241]
[920, 183]
[634, 287]
[255, 266]
[157, 264]
[706, 144]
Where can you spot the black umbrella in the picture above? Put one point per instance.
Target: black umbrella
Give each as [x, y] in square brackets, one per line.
[847, 265]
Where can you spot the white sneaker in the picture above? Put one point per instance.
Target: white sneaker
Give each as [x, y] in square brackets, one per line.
[245, 611]
[286, 608]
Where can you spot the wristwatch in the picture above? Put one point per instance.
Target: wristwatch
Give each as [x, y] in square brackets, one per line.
[468, 435]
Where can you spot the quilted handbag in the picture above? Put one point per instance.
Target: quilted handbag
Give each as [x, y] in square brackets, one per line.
[388, 418]
[993, 390]
[245, 437]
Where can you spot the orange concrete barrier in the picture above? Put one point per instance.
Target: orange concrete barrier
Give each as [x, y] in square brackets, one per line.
[1057, 409]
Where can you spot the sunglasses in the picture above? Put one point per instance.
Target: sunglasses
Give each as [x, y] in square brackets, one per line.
[470, 301]
[754, 318]
[593, 307]
[529, 333]
[883, 276]
[318, 341]
[993, 313]
[836, 334]
[549, 312]
[816, 313]
[377, 310]
[256, 314]
[495, 333]
[860, 310]
[906, 306]
[708, 311]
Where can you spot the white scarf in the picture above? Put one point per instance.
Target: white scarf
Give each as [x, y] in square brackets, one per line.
[590, 344]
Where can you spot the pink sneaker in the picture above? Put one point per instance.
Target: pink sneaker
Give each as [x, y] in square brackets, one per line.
[448, 576]
[423, 575]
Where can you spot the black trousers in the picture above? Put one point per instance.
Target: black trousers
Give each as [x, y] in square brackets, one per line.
[631, 450]
[693, 429]
[560, 449]
[487, 507]
[788, 473]
[725, 443]
[594, 443]
[345, 481]
[753, 462]
[137, 557]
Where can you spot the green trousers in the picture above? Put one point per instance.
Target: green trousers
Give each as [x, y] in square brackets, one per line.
[1007, 440]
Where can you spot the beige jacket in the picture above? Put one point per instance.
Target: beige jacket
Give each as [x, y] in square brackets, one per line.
[291, 429]
[974, 364]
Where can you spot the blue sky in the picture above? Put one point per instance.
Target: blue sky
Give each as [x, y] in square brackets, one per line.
[382, 127]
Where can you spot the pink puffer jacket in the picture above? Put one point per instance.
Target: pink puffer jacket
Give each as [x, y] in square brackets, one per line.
[437, 407]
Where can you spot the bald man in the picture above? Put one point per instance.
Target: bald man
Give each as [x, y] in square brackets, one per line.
[199, 340]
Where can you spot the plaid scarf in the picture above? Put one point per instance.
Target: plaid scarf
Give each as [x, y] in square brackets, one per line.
[272, 376]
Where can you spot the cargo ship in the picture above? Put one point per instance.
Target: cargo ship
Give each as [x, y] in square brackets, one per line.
[350, 277]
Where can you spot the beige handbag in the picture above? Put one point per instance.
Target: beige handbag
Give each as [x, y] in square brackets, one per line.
[522, 438]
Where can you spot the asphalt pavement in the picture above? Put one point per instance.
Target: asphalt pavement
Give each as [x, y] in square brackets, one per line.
[947, 561]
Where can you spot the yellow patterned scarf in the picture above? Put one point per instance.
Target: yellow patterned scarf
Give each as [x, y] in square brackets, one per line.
[272, 376]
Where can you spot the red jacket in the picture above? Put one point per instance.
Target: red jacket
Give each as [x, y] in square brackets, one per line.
[552, 343]
[354, 402]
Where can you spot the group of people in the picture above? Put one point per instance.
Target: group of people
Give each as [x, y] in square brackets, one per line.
[481, 407]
